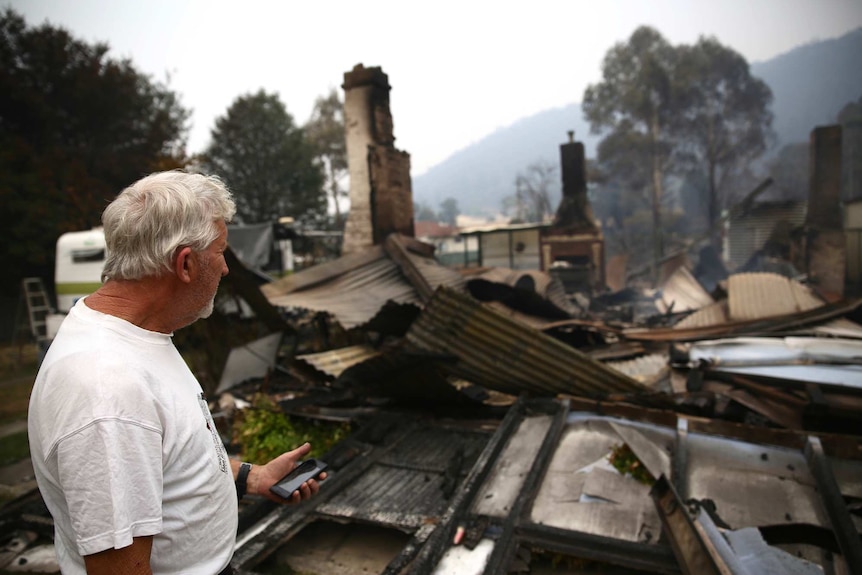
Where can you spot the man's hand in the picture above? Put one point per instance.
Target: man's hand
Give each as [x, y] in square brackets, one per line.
[262, 477]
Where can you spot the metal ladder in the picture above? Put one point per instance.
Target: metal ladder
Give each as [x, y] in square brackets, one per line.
[38, 307]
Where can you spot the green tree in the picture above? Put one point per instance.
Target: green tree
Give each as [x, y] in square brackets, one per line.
[634, 100]
[325, 131]
[449, 211]
[723, 120]
[76, 127]
[267, 161]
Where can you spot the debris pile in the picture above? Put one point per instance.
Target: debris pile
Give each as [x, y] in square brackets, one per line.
[498, 422]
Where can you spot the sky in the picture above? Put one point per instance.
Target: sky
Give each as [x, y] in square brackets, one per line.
[459, 70]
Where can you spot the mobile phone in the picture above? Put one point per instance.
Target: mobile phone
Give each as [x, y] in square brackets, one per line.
[304, 470]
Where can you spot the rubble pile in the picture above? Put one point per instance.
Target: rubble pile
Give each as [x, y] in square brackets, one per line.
[490, 418]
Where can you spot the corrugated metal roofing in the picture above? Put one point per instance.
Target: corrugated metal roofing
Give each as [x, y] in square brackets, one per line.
[355, 297]
[712, 314]
[810, 359]
[498, 353]
[406, 484]
[432, 272]
[354, 288]
[682, 292]
[785, 323]
[645, 369]
[531, 321]
[334, 362]
[761, 294]
[393, 374]
[753, 296]
[841, 327]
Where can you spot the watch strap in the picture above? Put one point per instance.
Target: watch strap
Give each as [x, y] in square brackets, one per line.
[242, 479]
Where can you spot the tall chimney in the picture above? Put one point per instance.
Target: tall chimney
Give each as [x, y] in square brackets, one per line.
[381, 196]
[574, 210]
[826, 243]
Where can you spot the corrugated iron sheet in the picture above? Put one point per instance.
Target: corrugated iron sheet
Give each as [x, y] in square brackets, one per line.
[418, 257]
[355, 297]
[498, 353]
[761, 294]
[807, 359]
[712, 314]
[682, 292]
[405, 486]
[753, 296]
[334, 362]
[786, 323]
[353, 289]
[321, 273]
[531, 321]
[841, 327]
[394, 374]
[645, 369]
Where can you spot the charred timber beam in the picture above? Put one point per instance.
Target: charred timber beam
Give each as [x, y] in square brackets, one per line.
[842, 524]
[680, 457]
[640, 556]
[694, 552]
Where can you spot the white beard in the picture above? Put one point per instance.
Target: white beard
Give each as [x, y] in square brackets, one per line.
[207, 310]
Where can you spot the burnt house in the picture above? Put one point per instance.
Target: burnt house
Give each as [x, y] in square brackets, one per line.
[570, 248]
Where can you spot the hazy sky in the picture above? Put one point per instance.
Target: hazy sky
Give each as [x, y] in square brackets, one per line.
[458, 69]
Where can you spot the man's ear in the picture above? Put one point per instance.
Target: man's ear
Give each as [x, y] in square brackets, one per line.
[184, 264]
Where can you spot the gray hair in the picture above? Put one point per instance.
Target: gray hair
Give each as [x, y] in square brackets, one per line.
[153, 217]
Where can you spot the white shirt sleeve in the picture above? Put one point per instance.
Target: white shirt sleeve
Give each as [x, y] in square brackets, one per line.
[111, 474]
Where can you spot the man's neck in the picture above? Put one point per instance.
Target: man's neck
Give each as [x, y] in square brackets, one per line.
[147, 303]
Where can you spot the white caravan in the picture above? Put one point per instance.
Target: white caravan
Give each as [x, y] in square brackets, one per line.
[80, 257]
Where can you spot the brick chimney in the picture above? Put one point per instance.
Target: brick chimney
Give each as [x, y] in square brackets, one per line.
[825, 240]
[381, 194]
[574, 211]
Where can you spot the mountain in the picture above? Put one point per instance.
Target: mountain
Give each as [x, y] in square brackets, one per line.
[810, 85]
[482, 174]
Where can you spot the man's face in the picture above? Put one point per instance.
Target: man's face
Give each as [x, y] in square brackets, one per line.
[213, 268]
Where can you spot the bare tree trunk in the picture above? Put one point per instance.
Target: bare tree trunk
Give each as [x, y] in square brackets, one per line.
[656, 196]
[714, 213]
[333, 183]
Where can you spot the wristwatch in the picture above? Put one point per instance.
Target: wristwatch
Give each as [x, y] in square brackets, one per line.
[241, 479]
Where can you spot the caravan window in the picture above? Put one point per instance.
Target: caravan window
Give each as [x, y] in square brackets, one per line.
[89, 255]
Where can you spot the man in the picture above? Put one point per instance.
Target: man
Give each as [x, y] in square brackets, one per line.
[124, 448]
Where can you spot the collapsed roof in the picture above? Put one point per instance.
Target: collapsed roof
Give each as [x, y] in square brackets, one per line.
[498, 421]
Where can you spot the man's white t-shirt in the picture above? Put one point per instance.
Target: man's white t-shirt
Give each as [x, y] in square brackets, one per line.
[123, 445]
